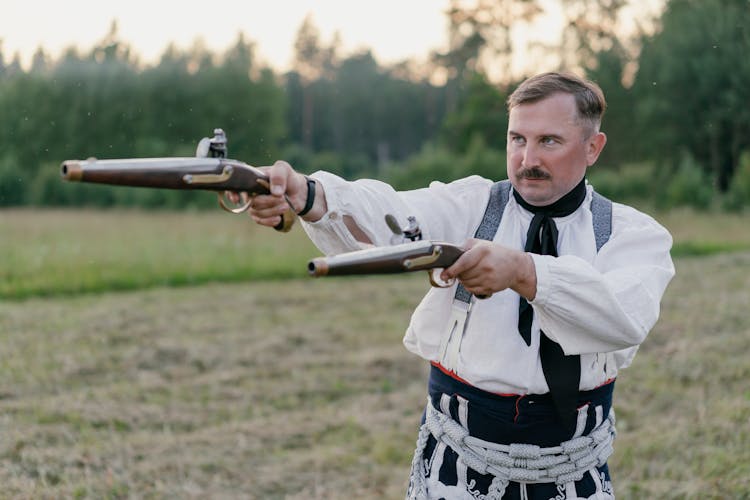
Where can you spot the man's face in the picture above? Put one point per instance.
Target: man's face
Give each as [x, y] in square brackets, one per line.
[548, 148]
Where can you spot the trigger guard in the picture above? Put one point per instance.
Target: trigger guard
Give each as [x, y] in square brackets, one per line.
[238, 209]
[435, 280]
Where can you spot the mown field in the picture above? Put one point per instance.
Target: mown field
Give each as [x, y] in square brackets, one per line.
[250, 380]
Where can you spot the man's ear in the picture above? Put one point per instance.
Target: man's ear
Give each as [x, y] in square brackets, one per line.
[594, 147]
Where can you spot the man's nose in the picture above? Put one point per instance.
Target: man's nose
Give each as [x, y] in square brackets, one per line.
[530, 156]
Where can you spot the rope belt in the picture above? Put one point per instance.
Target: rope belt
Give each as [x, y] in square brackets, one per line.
[523, 463]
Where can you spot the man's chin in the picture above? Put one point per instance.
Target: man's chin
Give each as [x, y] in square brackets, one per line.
[536, 192]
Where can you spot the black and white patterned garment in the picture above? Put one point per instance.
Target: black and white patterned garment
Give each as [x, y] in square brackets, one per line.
[528, 419]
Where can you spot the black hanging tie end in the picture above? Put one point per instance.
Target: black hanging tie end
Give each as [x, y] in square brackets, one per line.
[525, 318]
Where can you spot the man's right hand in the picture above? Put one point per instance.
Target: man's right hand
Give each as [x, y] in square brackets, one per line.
[267, 209]
[284, 180]
[486, 267]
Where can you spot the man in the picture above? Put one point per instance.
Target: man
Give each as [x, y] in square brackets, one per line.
[521, 382]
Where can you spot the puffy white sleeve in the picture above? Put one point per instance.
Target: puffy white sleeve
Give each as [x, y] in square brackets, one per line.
[447, 212]
[612, 304]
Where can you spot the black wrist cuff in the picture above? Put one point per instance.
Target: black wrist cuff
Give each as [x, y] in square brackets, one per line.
[310, 196]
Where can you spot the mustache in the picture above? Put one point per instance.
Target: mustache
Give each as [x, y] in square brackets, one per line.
[532, 173]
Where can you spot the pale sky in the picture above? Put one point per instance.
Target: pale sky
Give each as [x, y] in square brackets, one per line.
[393, 29]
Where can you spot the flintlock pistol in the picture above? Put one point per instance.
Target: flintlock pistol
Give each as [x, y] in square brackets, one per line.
[210, 170]
[400, 257]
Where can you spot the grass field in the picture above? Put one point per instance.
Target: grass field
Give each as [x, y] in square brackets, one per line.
[299, 388]
[48, 252]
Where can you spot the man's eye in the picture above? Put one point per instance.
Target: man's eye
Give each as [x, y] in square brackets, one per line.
[548, 141]
[517, 139]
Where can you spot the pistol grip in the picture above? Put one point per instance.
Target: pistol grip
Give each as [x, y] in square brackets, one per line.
[287, 221]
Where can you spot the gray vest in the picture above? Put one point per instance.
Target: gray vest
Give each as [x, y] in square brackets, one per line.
[601, 211]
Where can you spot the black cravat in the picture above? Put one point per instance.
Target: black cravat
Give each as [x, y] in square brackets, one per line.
[563, 373]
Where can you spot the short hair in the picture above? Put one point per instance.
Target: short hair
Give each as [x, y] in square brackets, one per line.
[589, 97]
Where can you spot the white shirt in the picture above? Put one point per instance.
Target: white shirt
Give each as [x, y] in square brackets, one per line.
[599, 305]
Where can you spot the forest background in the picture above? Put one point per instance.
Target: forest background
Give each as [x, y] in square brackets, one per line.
[677, 87]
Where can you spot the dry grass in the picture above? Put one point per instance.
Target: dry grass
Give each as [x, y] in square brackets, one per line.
[302, 389]
[298, 389]
[690, 226]
[704, 233]
[684, 405]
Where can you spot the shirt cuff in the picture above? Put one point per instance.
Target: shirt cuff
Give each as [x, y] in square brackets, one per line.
[543, 279]
[329, 233]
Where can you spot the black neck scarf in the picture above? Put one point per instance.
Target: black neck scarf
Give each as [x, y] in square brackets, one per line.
[563, 373]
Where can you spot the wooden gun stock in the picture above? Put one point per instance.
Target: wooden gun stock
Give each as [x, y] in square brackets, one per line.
[406, 257]
[211, 174]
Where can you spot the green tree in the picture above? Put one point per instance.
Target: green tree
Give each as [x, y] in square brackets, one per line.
[312, 61]
[480, 32]
[355, 110]
[104, 103]
[618, 123]
[599, 39]
[480, 39]
[591, 27]
[692, 86]
[480, 114]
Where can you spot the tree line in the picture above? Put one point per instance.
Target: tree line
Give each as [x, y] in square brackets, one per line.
[678, 121]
